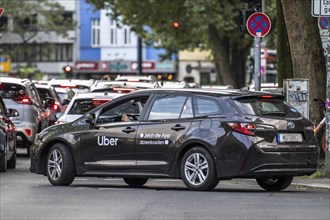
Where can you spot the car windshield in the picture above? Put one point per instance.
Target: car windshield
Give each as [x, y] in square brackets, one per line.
[82, 106]
[12, 91]
[267, 107]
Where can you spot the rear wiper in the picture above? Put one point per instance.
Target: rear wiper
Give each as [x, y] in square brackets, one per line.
[274, 113]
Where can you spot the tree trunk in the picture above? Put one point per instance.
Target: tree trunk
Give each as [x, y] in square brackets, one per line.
[283, 56]
[306, 51]
[221, 57]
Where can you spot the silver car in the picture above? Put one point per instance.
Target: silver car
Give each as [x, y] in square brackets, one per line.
[22, 95]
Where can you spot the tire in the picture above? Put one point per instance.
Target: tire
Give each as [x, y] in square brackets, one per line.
[60, 166]
[275, 184]
[135, 182]
[3, 162]
[198, 170]
[11, 164]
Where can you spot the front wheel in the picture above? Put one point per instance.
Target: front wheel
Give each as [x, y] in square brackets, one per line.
[275, 184]
[60, 165]
[11, 164]
[198, 170]
[135, 182]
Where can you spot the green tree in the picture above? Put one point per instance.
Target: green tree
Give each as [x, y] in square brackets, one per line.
[206, 24]
[29, 18]
[284, 62]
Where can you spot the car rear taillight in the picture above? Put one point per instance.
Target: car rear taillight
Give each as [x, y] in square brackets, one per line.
[24, 100]
[56, 107]
[28, 132]
[244, 128]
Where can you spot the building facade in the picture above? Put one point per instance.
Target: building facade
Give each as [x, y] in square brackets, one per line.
[47, 52]
[108, 49]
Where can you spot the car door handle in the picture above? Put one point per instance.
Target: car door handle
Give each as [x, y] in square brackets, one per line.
[129, 130]
[178, 127]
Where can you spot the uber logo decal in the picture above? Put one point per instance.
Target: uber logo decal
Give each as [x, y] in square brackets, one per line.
[106, 141]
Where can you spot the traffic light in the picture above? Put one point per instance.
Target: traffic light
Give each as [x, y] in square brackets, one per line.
[247, 8]
[68, 71]
[176, 24]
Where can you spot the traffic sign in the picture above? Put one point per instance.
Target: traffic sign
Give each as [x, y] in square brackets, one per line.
[263, 53]
[258, 24]
[323, 23]
[1, 11]
[320, 8]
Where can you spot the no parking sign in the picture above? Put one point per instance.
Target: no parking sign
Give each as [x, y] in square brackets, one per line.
[258, 24]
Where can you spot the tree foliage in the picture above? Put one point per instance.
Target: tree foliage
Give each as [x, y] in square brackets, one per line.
[206, 24]
[33, 17]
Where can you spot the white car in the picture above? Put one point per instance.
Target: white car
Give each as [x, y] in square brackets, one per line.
[82, 103]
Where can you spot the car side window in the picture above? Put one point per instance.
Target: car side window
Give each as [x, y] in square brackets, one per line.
[131, 108]
[204, 106]
[35, 96]
[170, 107]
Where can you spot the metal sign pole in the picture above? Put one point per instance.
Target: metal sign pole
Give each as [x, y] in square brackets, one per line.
[327, 152]
[257, 63]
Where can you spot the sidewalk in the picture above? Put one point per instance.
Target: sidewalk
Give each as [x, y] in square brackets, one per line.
[318, 182]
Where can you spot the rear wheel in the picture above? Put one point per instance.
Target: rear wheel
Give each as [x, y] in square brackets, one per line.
[11, 164]
[3, 162]
[136, 182]
[60, 165]
[275, 184]
[198, 170]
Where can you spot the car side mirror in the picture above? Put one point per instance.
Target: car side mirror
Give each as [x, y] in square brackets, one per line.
[90, 119]
[12, 113]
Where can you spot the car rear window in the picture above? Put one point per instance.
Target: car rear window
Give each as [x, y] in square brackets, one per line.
[82, 106]
[266, 107]
[12, 91]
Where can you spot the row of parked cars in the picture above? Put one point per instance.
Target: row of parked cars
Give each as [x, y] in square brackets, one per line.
[28, 107]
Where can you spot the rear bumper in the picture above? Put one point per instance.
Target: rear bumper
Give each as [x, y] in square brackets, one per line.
[294, 162]
[24, 140]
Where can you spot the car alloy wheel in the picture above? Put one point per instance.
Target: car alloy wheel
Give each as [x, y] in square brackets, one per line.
[196, 169]
[55, 164]
[60, 165]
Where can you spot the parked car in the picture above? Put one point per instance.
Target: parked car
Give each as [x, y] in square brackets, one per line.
[82, 103]
[21, 94]
[48, 93]
[198, 136]
[8, 134]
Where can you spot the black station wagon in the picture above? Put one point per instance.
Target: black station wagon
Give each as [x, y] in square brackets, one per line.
[199, 136]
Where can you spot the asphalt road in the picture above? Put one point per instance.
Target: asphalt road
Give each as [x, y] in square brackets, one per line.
[29, 196]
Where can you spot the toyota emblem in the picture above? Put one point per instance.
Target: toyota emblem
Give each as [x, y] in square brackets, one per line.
[291, 125]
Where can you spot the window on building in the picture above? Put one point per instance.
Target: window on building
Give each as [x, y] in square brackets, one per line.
[29, 23]
[113, 33]
[3, 23]
[127, 36]
[39, 52]
[95, 32]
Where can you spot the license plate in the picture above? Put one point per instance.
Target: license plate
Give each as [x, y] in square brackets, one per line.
[287, 138]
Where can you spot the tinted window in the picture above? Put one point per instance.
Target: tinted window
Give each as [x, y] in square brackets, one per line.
[266, 107]
[82, 106]
[12, 91]
[44, 93]
[168, 107]
[205, 106]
